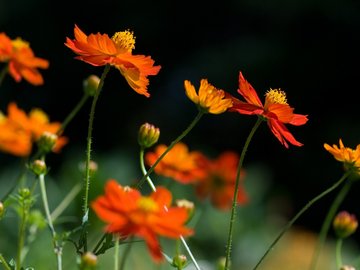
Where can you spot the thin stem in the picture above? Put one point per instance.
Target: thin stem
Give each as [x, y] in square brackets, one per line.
[88, 151]
[99, 243]
[21, 237]
[57, 248]
[126, 255]
[236, 190]
[306, 207]
[339, 242]
[5, 264]
[73, 113]
[182, 135]
[116, 254]
[328, 219]
[3, 73]
[154, 189]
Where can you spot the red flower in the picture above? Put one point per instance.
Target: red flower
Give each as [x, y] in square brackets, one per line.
[275, 111]
[127, 213]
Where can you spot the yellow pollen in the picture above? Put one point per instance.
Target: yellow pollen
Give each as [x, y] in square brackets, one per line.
[124, 40]
[276, 96]
[18, 43]
[147, 204]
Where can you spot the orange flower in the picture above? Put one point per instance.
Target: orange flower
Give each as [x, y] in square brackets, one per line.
[179, 163]
[99, 50]
[21, 60]
[219, 182]
[276, 111]
[209, 99]
[20, 130]
[350, 157]
[127, 213]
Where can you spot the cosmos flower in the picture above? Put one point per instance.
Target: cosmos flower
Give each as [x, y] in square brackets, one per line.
[99, 50]
[127, 213]
[208, 99]
[21, 60]
[275, 111]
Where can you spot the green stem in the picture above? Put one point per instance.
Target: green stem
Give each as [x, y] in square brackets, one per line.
[234, 203]
[182, 135]
[18, 181]
[328, 219]
[116, 254]
[5, 264]
[126, 255]
[22, 228]
[307, 206]
[95, 250]
[142, 165]
[73, 113]
[339, 242]
[57, 247]
[3, 73]
[88, 152]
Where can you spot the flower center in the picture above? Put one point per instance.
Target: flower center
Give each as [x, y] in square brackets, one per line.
[124, 40]
[276, 96]
[147, 204]
[18, 43]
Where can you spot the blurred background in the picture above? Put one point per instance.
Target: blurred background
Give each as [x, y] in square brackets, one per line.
[308, 48]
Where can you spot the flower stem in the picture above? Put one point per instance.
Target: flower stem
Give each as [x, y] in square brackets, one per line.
[234, 203]
[339, 242]
[22, 228]
[116, 254]
[182, 135]
[125, 256]
[3, 73]
[57, 247]
[5, 264]
[154, 189]
[327, 222]
[72, 114]
[306, 207]
[88, 153]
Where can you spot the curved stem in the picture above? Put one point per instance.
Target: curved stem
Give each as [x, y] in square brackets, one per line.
[72, 114]
[3, 73]
[4, 263]
[154, 189]
[57, 247]
[328, 219]
[234, 204]
[182, 135]
[306, 207]
[339, 242]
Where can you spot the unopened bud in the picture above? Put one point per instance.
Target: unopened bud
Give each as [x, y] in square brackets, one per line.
[179, 261]
[24, 193]
[91, 84]
[345, 224]
[47, 141]
[2, 209]
[148, 135]
[347, 267]
[38, 167]
[88, 261]
[189, 207]
[93, 167]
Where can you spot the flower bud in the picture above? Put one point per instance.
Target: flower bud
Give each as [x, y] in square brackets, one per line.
[91, 84]
[24, 193]
[220, 265]
[47, 141]
[148, 135]
[347, 267]
[2, 209]
[38, 167]
[88, 261]
[179, 261]
[93, 167]
[345, 224]
[189, 207]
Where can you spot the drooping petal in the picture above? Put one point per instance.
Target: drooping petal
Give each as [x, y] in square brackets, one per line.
[248, 92]
[282, 133]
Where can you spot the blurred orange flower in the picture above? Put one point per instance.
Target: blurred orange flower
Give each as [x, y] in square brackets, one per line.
[350, 157]
[19, 130]
[21, 60]
[127, 213]
[219, 183]
[99, 50]
[209, 99]
[276, 111]
[179, 163]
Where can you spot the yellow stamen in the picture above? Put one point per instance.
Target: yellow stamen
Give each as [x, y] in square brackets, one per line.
[276, 96]
[147, 204]
[124, 40]
[18, 43]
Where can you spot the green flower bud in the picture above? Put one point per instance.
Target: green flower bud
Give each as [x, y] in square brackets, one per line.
[148, 135]
[2, 209]
[88, 261]
[179, 261]
[345, 224]
[47, 141]
[93, 167]
[91, 84]
[25, 193]
[38, 167]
